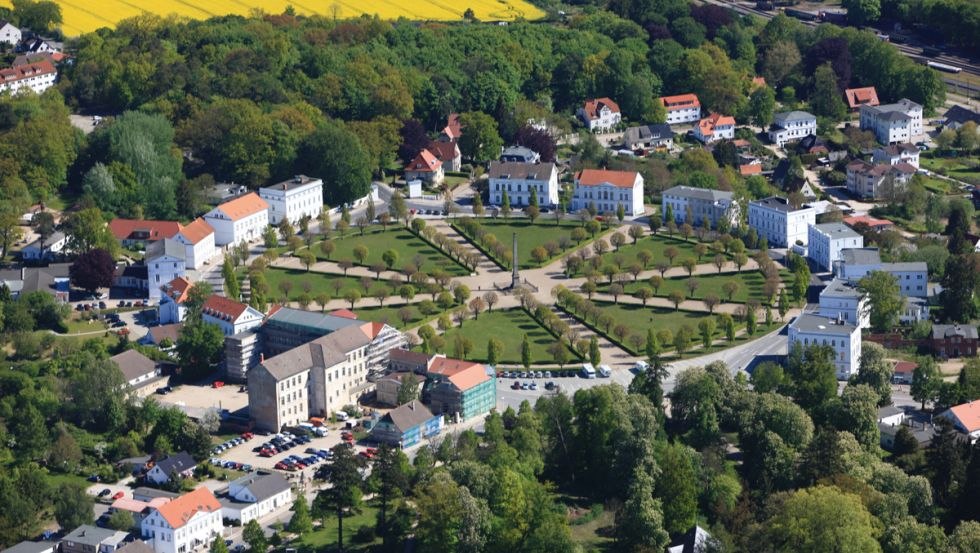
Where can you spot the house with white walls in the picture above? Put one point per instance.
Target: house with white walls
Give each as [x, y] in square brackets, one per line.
[517, 179]
[600, 114]
[242, 219]
[164, 262]
[780, 223]
[893, 123]
[185, 524]
[791, 126]
[825, 242]
[841, 300]
[256, 495]
[682, 108]
[198, 240]
[843, 338]
[298, 197]
[607, 190]
[230, 315]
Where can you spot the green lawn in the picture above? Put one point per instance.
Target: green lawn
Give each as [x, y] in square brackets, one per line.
[750, 285]
[325, 537]
[529, 236]
[390, 315]
[964, 168]
[410, 248]
[656, 245]
[509, 326]
[314, 284]
[639, 319]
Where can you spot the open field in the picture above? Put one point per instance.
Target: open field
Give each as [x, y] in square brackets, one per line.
[317, 283]
[509, 326]
[83, 16]
[397, 238]
[964, 168]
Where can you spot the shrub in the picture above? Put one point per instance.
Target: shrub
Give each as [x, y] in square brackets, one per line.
[364, 534]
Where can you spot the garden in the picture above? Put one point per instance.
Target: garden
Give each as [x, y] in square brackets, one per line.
[538, 242]
[649, 252]
[727, 287]
[509, 326]
[378, 245]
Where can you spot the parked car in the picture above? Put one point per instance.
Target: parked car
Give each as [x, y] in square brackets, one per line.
[516, 385]
[118, 495]
[105, 492]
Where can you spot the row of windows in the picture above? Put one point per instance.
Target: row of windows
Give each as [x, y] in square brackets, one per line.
[605, 195]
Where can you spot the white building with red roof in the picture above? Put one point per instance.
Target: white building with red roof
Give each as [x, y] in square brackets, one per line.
[164, 263]
[37, 77]
[607, 190]
[426, 167]
[242, 219]
[232, 316]
[173, 294]
[459, 388]
[298, 197]
[857, 97]
[882, 180]
[682, 108]
[965, 418]
[600, 114]
[185, 524]
[453, 129]
[198, 240]
[715, 127]
[133, 232]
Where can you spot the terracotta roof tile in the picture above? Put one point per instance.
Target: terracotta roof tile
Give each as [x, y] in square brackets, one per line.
[447, 367]
[183, 508]
[708, 124]
[680, 101]
[243, 206]
[425, 162]
[345, 313]
[444, 151]
[593, 106]
[856, 97]
[220, 305]
[968, 415]
[594, 177]
[124, 229]
[467, 378]
[178, 289]
[750, 169]
[27, 71]
[196, 231]
[905, 367]
[453, 130]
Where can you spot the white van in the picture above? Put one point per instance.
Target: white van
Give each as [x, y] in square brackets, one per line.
[641, 367]
[341, 415]
[605, 371]
[588, 371]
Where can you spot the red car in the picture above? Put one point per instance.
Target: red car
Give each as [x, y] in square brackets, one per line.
[266, 453]
[217, 384]
[367, 454]
[118, 495]
[247, 436]
[281, 466]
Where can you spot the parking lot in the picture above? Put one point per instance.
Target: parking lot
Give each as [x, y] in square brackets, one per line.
[194, 399]
[247, 454]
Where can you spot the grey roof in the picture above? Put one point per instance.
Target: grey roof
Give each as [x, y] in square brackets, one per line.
[780, 119]
[902, 106]
[905, 266]
[409, 415]
[134, 364]
[263, 485]
[159, 248]
[699, 193]
[43, 278]
[295, 182]
[517, 170]
[90, 535]
[409, 356]
[30, 546]
[860, 256]
[178, 462]
[519, 151]
[949, 331]
[151, 493]
[822, 325]
[310, 319]
[136, 546]
[896, 149]
[889, 411]
[839, 288]
[324, 351]
[55, 237]
[777, 203]
[657, 131]
[959, 114]
[837, 230]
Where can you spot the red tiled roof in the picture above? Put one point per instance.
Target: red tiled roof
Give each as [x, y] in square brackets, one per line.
[216, 306]
[196, 231]
[20, 72]
[905, 367]
[345, 313]
[758, 81]
[453, 130]
[680, 101]
[444, 151]
[857, 97]
[463, 374]
[594, 177]
[425, 162]
[750, 169]
[968, 414]
[593, 106]
[178, 289]
[243, 206]
[123, 229]
[165, 332]
[180, 510]
[708, 124]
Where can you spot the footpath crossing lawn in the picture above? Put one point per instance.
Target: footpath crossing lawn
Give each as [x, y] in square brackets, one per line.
[410, 248]
[529, 235]
[656, 245]
[391, 315]
[750, 286]
[509, 326]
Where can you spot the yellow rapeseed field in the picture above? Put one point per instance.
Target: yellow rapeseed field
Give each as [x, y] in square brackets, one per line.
[82, 16]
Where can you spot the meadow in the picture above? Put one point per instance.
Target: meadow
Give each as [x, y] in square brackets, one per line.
[83, 16]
